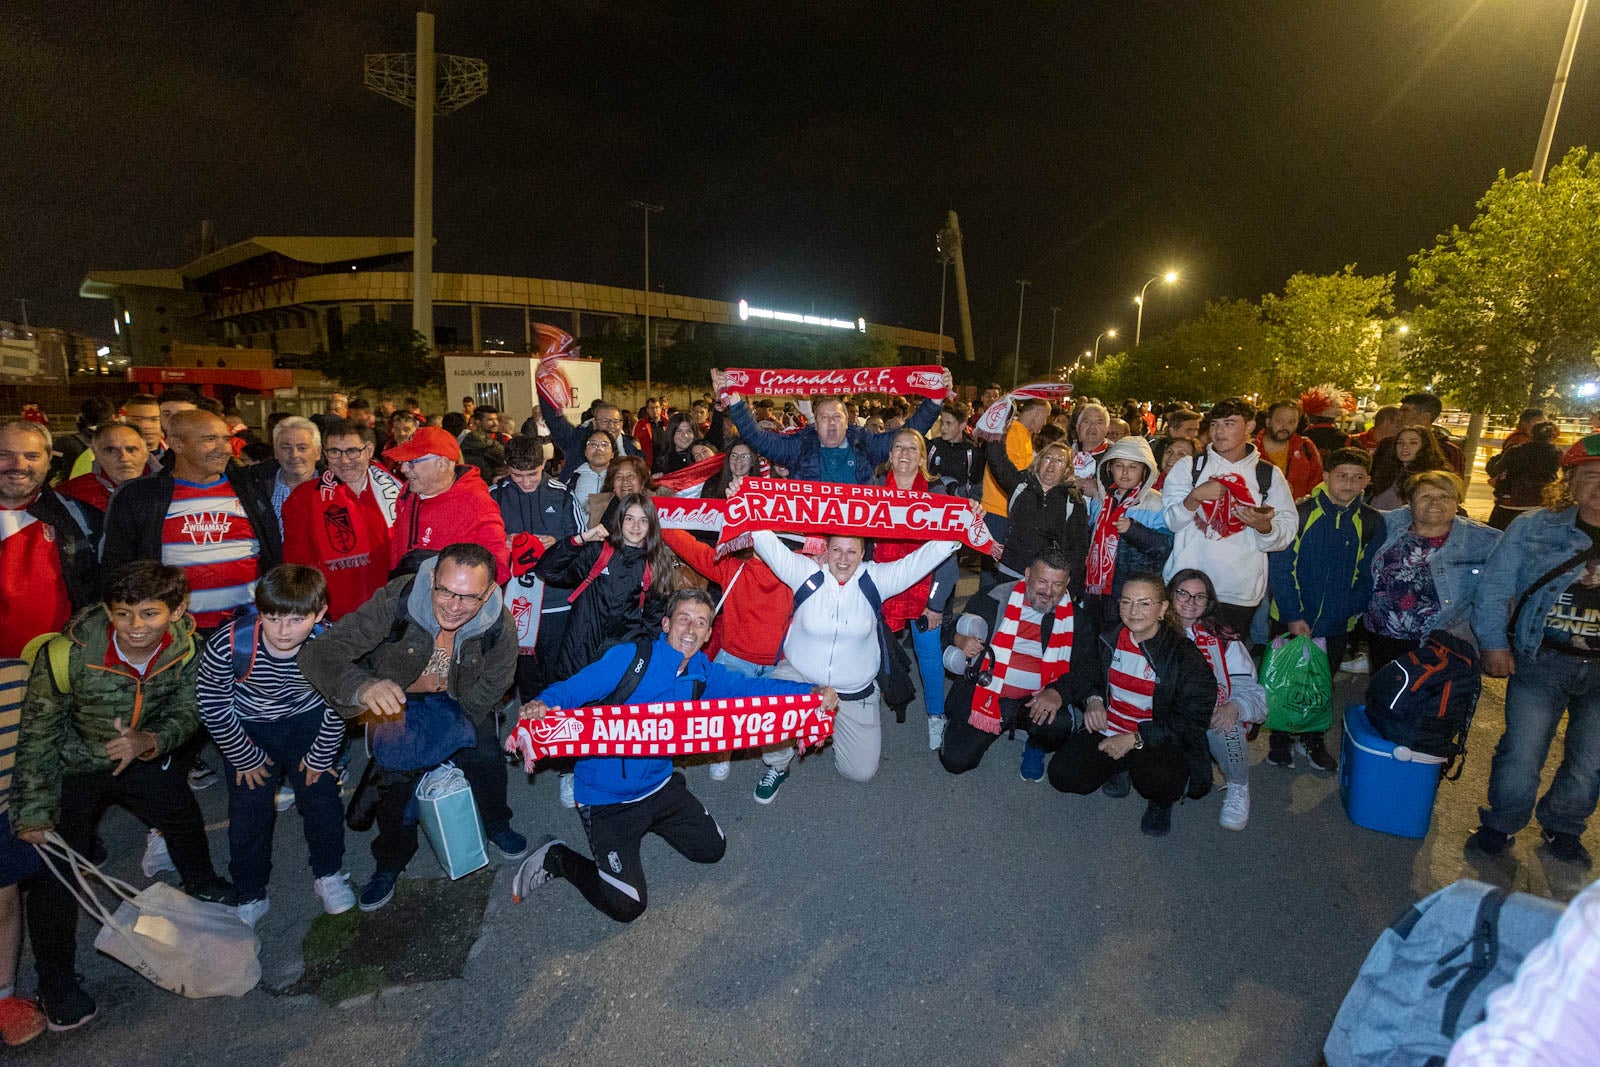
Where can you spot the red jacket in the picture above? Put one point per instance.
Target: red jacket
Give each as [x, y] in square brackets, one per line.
[93, 489]
[755, 615]
[345, 536]
[463, 512]
[903, 607]
[1305, 463]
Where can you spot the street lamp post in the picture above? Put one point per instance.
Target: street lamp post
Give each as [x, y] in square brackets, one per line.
[1053, 313]
[648, 209]
[944, 284]
[1138, 326]
[1016, 355]
[1112, 332]
[1547, 133]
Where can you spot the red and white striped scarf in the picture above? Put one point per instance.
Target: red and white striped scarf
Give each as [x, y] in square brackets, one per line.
[675, 728]
[1103, 542]
[1056, 661]
[1216, 654]
[1131, 687]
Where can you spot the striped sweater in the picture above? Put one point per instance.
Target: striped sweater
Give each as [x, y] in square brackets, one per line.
[13, 684]
[273, 690]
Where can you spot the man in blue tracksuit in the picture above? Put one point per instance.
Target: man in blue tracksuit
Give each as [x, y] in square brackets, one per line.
[1321, 584]
[620, 800]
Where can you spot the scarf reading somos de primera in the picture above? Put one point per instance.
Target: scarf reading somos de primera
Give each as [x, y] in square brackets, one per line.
[676, 728]
[928, 381]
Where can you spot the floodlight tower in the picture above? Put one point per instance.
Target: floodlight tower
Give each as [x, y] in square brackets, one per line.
[451, 83]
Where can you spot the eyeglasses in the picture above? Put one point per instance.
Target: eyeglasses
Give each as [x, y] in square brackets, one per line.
[1135, 605]
[346, 453]
[1185, 595]
[604, 446]
[460, 600]
[617, 421]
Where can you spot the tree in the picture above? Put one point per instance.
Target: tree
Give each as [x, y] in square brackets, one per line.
[384, 357]
[1511, 305]
[1226, 351]
[1326, 328]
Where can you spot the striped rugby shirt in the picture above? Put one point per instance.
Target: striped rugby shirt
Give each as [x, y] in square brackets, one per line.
[274, 690]
[208, 535]
[1132, 688]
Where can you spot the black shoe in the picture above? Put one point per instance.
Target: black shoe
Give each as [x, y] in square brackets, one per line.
[216, 891]
[1280, 749]
[201, 776]
[67, 1010]
[1118, 785]
[1157, 819]
[510, 844]
[1568, 848]
[1488, 841]
[379, 890]
[1315, 749]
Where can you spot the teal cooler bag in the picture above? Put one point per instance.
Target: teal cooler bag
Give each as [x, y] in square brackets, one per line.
[449, 817]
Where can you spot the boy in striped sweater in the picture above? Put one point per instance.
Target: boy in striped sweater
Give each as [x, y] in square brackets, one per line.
[269, 723]
[20, 1020]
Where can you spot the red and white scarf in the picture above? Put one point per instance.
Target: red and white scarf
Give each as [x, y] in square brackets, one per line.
[1056, 661]
[1216, 654]
[554, 346]
[676, 728]
[991, 425]
[1104, 540]
[928, 381]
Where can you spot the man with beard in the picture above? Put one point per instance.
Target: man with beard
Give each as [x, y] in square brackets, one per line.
[47, 565]
[1297, 457]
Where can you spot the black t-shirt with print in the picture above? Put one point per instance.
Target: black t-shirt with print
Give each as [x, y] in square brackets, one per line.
[1573, 625]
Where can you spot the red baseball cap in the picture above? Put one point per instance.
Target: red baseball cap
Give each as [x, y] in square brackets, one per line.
[427, 441]
[1584, 450]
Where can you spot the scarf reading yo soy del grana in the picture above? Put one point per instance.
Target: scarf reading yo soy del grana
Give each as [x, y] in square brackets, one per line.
[678, 728]
[928, 381]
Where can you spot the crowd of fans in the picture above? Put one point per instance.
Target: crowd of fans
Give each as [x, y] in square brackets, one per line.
[424, 580]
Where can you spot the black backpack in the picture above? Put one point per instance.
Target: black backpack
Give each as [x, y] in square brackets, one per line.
[1425, 699]
[1263, 473]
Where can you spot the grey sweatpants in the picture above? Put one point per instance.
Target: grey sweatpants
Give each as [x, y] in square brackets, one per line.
[857, 734]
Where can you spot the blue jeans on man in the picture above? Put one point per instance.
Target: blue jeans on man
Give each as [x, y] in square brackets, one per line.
[1536, 696]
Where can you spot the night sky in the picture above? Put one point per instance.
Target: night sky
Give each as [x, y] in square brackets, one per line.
[806, 154]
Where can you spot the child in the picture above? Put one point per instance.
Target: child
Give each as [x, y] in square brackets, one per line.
[129, 702]
[20, 1020]
[268, 722]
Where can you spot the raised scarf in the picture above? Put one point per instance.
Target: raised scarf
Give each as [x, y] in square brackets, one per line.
[991, 425]
[1104, 540]
[676, 728]
[1056, 661]
[928, 381]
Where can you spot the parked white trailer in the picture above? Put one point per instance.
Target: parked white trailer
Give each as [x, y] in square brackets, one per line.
[505, 380]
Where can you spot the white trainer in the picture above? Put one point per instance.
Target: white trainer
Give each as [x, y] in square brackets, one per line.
[531, 874]
[936, 725]
[285, 798]
[1235, 808]
[156, 857]
[335, 892]
[1356, 665]
[720, 768]
[251, 911]
[568, 796]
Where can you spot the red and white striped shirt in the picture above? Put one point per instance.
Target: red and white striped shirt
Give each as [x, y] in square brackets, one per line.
[1132, 688]
[208, 535]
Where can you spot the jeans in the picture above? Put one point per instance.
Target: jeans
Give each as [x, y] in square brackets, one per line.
[252, 812]
[1541, 689]
[743, 666]
[930, 661]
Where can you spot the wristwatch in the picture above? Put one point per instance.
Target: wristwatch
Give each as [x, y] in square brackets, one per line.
[1138, 740]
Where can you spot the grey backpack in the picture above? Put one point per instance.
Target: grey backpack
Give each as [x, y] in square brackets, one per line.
[1426, 979]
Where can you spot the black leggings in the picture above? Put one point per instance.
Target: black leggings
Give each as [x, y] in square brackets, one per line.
[1159, 772]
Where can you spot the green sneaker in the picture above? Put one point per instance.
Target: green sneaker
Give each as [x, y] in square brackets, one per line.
[767, 788]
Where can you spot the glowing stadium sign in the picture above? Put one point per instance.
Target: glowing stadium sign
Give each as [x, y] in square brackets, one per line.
[746, 313]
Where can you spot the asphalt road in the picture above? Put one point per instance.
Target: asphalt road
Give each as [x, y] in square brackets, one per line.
[917, 919]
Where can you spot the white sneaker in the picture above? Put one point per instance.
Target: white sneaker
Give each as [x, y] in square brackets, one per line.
[936, 725]
[335, 893]
[156, 857]
[251, 911]
[285, 798]
[531, 874]
[568, 797]
[1356, 665]
[720, 768]
[1235, 808]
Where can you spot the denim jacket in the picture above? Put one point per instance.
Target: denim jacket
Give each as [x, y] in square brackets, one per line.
[1534, 543]
[1457, 567]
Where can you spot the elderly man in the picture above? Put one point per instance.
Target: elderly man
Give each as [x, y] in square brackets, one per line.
[1023, 640]
[296, 451]
[571, 439]
[1094, 421]
[436, 647]
[47, 564]
[339, 521]
[201, 514]
[120, 455]
[444, 503]
[830, 449]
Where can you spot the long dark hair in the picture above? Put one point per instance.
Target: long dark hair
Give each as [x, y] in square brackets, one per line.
[717, 486]
[1209, 620]
[1430, 457]
[657, 556]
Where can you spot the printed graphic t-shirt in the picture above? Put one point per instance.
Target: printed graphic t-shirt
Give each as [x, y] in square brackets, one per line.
[207, 534]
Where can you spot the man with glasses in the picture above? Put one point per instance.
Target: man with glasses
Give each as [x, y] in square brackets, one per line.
[339, 521]
[444, 503]
[570, 439]
[424, 664]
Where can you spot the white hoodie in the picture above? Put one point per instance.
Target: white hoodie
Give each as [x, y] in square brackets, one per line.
[1236, 565]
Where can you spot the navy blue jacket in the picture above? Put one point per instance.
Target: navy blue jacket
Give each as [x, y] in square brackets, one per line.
[1325, 577]
[801, 453]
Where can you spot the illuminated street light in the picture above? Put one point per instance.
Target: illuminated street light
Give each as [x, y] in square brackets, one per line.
[1111, 331]
[1138, 327]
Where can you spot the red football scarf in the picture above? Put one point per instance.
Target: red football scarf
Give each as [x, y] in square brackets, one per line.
[1215, 518]
[991, 425]
[678, 728]
[1057, 660]
[1103, 543]
[554, 346]
[1216, 659]
[691, 480]
[928, 381]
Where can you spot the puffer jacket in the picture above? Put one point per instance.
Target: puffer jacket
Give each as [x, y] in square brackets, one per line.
[1185, 697]
[391, 637]
[66, 733]
[462, 513]
[1039, 519]
[609, 610]
[1147, 542]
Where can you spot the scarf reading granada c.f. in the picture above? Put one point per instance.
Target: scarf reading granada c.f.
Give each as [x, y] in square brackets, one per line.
[928, 381]
[675, 728]
[1056, 661]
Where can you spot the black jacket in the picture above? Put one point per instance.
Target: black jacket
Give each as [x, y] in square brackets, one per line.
[79, 568]
[1040, 519]
[953, 466]
[570, 439]
[1185, 697]
[608, 611]
[1522, 471]
[1079, 683]
[545, 512]
[138, 509]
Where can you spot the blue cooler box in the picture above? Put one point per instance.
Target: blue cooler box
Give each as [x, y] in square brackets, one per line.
[1385, 787]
